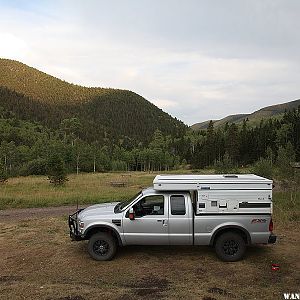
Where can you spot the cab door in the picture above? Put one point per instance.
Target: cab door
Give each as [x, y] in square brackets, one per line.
[180, 220]
[150, 226]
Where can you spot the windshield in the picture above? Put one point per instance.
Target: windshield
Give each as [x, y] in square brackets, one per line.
[121, 205]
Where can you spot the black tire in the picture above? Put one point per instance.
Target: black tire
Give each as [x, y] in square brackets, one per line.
[230, 246]
[102, 246]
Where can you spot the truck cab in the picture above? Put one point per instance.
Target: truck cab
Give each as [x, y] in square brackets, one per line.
[159, 218]
[163, 216]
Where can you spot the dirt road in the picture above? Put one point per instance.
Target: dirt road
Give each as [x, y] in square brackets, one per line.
[19, 214]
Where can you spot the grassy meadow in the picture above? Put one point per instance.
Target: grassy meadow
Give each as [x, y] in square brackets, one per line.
[35, 191]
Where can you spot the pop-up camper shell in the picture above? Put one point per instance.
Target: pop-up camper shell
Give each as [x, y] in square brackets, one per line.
[224, 194]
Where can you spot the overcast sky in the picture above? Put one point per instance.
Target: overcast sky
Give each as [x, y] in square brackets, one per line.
[197, 60]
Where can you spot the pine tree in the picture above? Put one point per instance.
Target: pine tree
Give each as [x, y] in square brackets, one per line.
[56, 170]
[232, 143]
[210, 143]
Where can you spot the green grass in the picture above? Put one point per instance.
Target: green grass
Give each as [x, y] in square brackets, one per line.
[35, 191]
[86, 188]
[286, 206]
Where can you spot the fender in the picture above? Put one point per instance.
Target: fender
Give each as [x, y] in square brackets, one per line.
[104, 226]
[227, 227]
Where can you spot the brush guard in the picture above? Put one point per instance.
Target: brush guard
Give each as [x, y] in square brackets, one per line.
[73, 225]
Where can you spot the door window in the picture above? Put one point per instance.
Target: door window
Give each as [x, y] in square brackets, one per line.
[150, 205]
[177, 205]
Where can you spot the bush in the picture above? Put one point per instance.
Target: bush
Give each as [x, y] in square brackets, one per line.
[56, 170]
[263, 168]
[225, 166]
[285, 160]
[36, 167]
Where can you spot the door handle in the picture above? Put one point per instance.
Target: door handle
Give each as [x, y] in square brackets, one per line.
[164, 222]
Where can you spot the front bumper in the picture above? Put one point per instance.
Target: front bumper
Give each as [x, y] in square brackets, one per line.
[73, 225]
[272, 239]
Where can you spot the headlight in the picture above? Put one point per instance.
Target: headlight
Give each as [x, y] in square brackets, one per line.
[81, 224]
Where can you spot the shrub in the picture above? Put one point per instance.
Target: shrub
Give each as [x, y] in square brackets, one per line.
[36, 167]
[225, 166]
[56, 170]
[285, 160]
[263, 168]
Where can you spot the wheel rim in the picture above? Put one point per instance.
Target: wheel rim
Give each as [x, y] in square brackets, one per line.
[231, 247]
[101, 247]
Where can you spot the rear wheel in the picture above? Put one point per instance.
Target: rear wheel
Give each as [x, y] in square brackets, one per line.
[230, 246]
[102, 246]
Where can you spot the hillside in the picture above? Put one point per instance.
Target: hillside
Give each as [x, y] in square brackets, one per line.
[104, 113]
[266, 112]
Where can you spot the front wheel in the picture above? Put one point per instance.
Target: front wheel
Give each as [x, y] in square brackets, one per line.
[102, 246]
[230, 246]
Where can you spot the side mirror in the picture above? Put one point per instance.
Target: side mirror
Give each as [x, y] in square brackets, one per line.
[131, 214]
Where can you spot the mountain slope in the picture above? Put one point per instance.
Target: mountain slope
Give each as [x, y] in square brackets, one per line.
[39, 85]
[263, 113]
[104, 113]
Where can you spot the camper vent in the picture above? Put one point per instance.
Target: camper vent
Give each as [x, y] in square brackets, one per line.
[230, 176]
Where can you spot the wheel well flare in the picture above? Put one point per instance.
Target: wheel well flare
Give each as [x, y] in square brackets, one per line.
[239, 230]
[95, 229]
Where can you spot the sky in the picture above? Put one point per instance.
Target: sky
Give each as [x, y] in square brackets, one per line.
[197, 60]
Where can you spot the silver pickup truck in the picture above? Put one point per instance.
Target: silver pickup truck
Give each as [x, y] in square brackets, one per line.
[227, 213]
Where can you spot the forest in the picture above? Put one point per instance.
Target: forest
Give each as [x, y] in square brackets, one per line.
[26, 147]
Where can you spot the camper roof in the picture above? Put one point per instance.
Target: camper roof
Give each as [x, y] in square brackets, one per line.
[226, 178]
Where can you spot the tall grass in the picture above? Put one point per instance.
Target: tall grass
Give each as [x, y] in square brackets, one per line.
[286, 206]
[35, 191]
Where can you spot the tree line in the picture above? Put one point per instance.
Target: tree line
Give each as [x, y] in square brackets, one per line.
[26, 148]
[245, 144]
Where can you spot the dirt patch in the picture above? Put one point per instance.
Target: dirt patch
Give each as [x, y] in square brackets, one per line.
[71, 298]
[77, 297]
[200, 271]
[125, 297]
[10, 278]
[150, 286]
[223, 292]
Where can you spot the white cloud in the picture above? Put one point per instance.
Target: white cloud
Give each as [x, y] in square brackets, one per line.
[13, 47]
[164, 103]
